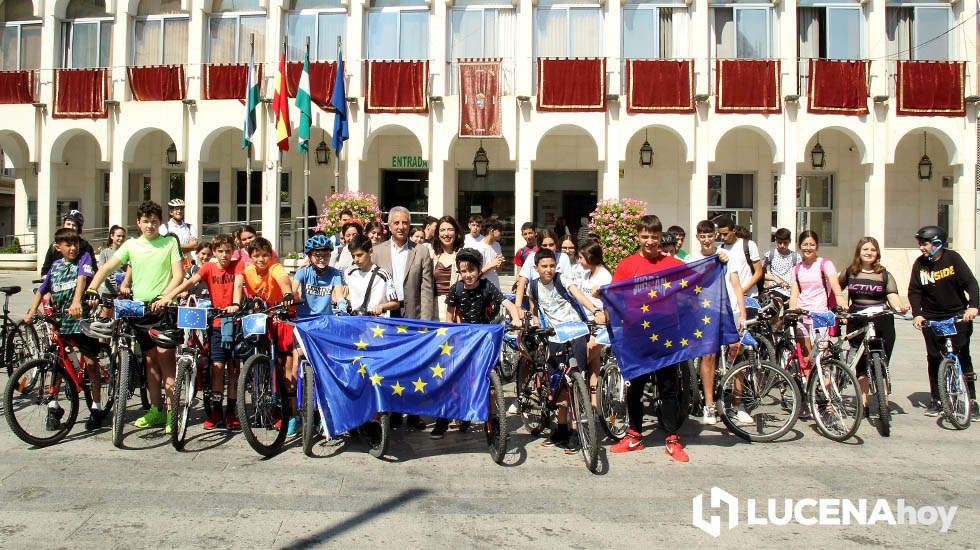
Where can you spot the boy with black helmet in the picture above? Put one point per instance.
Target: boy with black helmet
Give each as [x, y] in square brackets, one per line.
[943, 286]
[72, 219]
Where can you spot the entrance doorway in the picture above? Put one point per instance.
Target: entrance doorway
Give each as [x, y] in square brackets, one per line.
[489, 196]
[408, 188]
[568, 195]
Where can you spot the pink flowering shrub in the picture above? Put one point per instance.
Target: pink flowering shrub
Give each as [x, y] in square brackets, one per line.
[614, 222]
[363, 205]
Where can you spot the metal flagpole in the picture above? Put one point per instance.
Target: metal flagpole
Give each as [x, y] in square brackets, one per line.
[248, 150]
[336, 166]
[306, 166]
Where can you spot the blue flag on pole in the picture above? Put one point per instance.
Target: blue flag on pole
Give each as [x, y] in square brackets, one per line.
[366, 365]
[339, 104]
[670, 316]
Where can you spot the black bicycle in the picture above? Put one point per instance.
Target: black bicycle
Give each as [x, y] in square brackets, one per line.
[19, 340]
[865, 343]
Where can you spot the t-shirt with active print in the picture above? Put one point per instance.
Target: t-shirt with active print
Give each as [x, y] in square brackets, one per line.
[151, 262]
[317, 289]
[475, 305]
[867, 288]
[61, 281]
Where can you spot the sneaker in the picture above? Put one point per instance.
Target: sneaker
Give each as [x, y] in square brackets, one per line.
[94, 421]
[293, 426]
[54, 418]
[154, 418]
[214, 421]
[933, 409]
[440, 430]
[675, 450]
[630, 442]
[170, 423]
[278, 424]
[231, 421]
[464, 426]
[975, 415]
[571, 445]
[709, 415]
[742, 417]
[512, 408]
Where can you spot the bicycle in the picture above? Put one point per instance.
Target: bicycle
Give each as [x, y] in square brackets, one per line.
[541, 385]
[51, 379]
[872, 349]
[610, 393]
[954, 392]
[18, 340]
[193, 371]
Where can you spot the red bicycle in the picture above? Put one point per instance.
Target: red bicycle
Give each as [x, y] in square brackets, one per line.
[41, 397]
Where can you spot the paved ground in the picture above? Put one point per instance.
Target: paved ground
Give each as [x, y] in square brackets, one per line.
[85, 493]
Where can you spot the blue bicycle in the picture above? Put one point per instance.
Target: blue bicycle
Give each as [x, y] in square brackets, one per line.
[954, 394]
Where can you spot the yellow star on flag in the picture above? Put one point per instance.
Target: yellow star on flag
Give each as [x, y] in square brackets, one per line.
[376, 379]
[654, 337]
[653, 293]
[706, 319]
[697, 289]
[420, 385]
[356, 359]
[362, 371]
[446, 348]
[645, 308]
[698, 333]
[402, 329]
[706, 303]
[683, 283]
[361, 344]
[646, 324]
[668, 343]
[437, 371]
[423, 330]
[397, 388]
[441, 331]
[683, 341]
[378, 331]
[666, 284]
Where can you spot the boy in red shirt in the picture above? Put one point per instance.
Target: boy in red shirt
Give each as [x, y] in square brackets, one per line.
[650, 260]
[219, 277]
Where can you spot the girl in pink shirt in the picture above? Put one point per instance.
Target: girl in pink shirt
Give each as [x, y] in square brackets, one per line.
[815, 285]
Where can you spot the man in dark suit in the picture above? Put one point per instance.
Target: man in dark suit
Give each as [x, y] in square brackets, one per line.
[411, 268]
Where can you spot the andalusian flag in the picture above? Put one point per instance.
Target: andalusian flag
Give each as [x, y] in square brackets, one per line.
[303, 104]
[251, 102]
[280, 106]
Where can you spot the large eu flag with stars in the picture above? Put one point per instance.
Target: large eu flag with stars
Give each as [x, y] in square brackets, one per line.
[670, 316]
[366, 365]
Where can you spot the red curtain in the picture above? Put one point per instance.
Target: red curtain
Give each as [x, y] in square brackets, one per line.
[838, 87]
[747, 86]
[227, 81]
[931, 88]
[397, 86]
[659, 86]
[17, 87]
[571, 84]
[479, 85]
[165, 83]
[322, 78]
[80, 93]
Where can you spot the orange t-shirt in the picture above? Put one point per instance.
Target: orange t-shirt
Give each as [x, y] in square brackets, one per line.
[265, 286]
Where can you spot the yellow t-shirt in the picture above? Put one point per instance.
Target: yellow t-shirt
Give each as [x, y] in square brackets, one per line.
[265, 286]
[151, 262]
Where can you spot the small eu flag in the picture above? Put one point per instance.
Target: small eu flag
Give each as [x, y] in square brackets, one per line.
[670, 316]
[129, 309]
[192, 317]
[366, 365]
[254, 324]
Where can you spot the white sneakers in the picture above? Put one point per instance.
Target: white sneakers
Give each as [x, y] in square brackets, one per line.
[742, 417]
[709, 416]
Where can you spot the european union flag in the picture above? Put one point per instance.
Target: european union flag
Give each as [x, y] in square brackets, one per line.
[366, 365]
[670, 316]
[254, 324]
[192, 317]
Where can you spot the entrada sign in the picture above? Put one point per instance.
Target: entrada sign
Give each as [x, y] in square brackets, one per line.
[406, 161]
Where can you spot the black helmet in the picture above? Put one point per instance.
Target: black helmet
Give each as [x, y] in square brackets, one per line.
[932, 233]
[470, 255]
[75, 216]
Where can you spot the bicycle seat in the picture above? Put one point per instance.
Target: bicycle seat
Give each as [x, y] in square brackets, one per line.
[9, 290]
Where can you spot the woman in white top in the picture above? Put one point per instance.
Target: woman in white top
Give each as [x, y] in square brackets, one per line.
[594, 275]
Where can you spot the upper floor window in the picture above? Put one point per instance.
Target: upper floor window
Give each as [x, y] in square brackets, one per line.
[86, 35]
[481, 29]
[571, 28]
[234, 24]
[322, 21]
[919, 31]
[654, 31]
[743, 30]
[397, 29]
[20, 36]
[160, 33]
[834, 31]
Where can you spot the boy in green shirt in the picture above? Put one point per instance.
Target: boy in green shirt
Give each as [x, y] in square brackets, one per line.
[157, 269]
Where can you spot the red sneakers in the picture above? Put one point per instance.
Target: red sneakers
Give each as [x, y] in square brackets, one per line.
[675, 450]
[629, 442]
[231, 421]
[213, 421]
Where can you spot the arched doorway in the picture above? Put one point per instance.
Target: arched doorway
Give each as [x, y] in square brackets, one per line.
[565, 178]
[741, 181]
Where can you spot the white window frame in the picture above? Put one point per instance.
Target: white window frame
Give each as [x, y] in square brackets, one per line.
[398, 26]
[655, 32]
[162, 20]
[916, 6]
[771, 45]
[567, 8]
[237, 16]
[19, 25]
[315, 39]
[67, 28]
[847, 6]
[482, 8]
[805, 211]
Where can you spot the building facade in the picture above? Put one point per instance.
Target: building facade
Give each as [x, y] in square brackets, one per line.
[758, 167]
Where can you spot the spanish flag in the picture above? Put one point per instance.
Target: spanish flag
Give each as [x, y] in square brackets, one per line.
[280, 106]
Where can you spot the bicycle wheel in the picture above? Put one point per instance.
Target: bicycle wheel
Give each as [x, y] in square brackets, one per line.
[27, 408]
[311, 423]
[378, 433]
[876, 366]
[954, 395]
[496, 424]
[261, 405]
[20, 344]
[610, 396]
[766, 393]
[834, 398]
[532, 396]
[123, 370]
[183, 400]
[765, 349]
[585, 421]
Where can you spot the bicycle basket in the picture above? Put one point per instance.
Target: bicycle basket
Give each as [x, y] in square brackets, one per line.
[823, 320]
[944, 328]
[129, 309]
